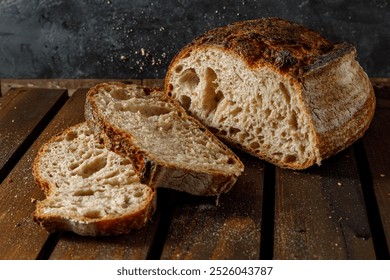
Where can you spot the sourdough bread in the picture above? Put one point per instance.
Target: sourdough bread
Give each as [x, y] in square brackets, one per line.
[167, 147]
[89, 189]
[274, 88]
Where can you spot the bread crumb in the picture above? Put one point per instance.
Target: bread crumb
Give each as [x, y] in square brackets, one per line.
[382, 175]
[217, 200]
[339, 184]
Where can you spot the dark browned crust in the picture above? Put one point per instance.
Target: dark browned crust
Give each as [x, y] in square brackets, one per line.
[283, 44]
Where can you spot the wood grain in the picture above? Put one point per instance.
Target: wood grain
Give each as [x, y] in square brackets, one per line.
[320, 212]
[22, 110]
[21, 238]
[377, 147]
[224, 228]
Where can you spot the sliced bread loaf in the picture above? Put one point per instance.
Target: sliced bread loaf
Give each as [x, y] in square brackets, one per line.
[274, 88]
[167, 147]
[89, 189]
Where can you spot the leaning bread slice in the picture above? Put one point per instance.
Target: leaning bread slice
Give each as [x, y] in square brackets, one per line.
[274, 88]
[89, 189]
[167, 147]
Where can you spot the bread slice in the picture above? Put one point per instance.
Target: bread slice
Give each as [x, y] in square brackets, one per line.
[167, 147]
[275, 89]
[89, 189]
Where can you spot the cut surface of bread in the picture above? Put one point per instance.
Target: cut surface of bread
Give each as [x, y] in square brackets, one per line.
[275, 89]
[168, 148]
[89, 189]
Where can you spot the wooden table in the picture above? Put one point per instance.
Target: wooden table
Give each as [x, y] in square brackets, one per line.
[340, 210]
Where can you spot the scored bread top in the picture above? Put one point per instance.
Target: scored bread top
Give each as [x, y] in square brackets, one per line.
[89, 189]
[287, 45]
[155, 132]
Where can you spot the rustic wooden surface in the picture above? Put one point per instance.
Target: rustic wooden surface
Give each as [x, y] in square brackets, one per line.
[340, 210]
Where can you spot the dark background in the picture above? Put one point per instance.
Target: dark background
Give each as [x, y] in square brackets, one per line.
[138, 39]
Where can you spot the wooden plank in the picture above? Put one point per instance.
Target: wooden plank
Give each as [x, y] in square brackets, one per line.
[153, 83]
[320, 213]
[71, 85]
[202, 228]
[377, 147]
[22, 110]
[21, 238]
[134, 245]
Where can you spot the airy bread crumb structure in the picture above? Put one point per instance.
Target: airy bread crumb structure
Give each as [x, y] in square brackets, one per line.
[168, 147]
[89, 189]
[275, 89]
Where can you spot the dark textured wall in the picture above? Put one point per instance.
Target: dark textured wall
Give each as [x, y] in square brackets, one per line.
[137, 39]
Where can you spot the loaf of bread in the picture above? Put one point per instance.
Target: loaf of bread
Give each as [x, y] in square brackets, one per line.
[275, 89]
[89, 189]
[167, 147]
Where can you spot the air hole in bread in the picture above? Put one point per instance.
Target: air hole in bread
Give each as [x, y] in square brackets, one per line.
[138, 194]
[285, 92]
[93, 214]
[185, 101]
[91, 167]
[293, 122]
[267, 113]
[187, 54]
[211, 95]
[233, 130]
[235, 111]
[120, 94]
[145, 110]
[189, 79]
[231, 161]
[222, 133]
[243, 135]
[254, 145]
[100, 146]
[74, 165]
[84, 192]
[178, 69]
[71, 135]
[213, 130]
[290, 158]
[259, 100]
[125, 162]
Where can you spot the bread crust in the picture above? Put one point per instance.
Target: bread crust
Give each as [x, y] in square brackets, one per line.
[108, 225]
[272, 42]
[152, 171]
[301, 56]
